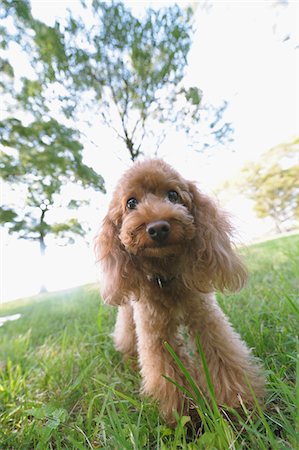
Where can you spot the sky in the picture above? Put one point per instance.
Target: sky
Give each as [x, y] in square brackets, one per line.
[244, 52]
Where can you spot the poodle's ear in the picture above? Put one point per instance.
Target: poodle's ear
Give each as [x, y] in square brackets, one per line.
[219, 265]
[113, 259]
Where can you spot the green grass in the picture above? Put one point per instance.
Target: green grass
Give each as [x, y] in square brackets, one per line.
[63, 386]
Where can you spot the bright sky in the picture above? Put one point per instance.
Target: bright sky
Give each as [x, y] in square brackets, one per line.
[240, 54]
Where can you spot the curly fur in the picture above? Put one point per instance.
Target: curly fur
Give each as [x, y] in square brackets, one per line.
[161, 286]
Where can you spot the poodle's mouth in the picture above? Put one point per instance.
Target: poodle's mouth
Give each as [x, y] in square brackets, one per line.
[160, 250]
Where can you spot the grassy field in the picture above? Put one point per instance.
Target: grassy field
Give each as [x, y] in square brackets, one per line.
[63, 386]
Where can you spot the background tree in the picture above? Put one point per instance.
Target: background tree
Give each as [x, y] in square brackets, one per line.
[41, 158]
[273, 184]
[134, 67]
[125, 71]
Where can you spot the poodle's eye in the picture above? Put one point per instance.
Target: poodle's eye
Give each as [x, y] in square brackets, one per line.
[173, 196]
[132, 203]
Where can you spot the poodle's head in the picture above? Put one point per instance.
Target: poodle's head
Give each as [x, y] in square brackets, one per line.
[153, 207]
[155, 214]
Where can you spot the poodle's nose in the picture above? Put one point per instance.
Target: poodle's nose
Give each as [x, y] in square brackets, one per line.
[159, 230]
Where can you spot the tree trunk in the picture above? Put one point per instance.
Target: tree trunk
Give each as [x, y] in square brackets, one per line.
[42, 248]
[277, 222]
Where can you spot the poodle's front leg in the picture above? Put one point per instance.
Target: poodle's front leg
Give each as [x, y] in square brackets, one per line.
[231, 365]
[124, 333]
[153, 328]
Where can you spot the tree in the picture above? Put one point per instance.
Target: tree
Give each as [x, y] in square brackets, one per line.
[273, 184]
[126, 71]
[42, 159]
[135, 67]
[39, 155]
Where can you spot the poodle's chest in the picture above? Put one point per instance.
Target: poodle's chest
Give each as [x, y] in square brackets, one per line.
[166, 296]
[161, 281]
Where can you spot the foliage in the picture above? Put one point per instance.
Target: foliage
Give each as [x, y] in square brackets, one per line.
[136, 71]
[62, 384]
[134, 67]
[126, 72]
[39, 155]
[273, 184]
[43, 157]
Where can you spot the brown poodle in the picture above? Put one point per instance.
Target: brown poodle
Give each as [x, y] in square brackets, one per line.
[164, 249]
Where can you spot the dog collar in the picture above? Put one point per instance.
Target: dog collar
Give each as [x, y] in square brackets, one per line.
[160, 281]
